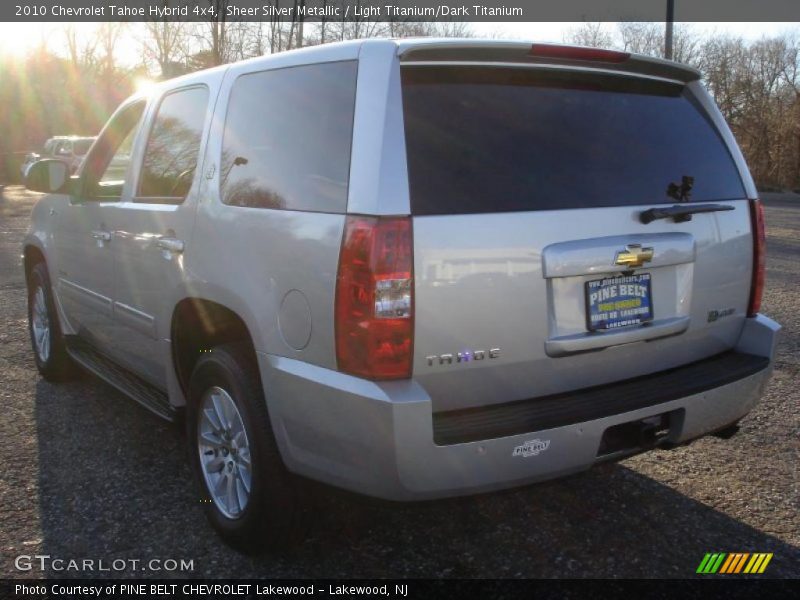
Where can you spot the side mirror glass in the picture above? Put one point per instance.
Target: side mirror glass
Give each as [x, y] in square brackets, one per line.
[48, 176]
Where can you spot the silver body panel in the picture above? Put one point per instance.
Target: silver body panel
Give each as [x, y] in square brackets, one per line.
[512, 282]
[377, 438]
[531, 274]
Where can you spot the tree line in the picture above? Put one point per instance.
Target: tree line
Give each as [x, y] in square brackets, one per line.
[73, 81]
[756, 85]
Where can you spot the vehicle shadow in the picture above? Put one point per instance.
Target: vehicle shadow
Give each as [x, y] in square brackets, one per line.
[114, 483]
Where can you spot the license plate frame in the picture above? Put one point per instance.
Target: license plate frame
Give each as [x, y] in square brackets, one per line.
[629, 314]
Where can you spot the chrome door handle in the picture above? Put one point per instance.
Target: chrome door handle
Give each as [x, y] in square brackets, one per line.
[171, 244]
[103, 236]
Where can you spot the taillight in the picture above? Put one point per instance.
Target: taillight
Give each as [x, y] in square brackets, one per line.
[375, 298]
[578, 53]
[759, 257]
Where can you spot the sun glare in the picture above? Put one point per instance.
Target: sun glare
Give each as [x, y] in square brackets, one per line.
[143, 84]
[18, 39]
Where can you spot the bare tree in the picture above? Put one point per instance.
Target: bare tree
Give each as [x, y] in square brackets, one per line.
[109, 77]
[590, 34]
[642, 38]
[791, 75]
[686, 45]
[447, 29]
[108, 35]
[81, 48]
[165, 43]
[356, 28]
[218, 40]
[755, 87]
[648, 38]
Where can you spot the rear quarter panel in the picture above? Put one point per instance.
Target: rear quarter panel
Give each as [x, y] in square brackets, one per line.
[275, 268]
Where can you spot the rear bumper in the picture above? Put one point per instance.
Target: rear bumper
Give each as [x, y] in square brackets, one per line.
[378, 438]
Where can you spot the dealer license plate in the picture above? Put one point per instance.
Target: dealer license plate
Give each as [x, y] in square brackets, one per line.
[620, 301]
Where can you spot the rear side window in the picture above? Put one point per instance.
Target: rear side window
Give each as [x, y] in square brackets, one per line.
[287, 138]
[491, 140]
[173, 147]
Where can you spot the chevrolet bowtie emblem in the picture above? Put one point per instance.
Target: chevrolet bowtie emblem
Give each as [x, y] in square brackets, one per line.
[633, 256]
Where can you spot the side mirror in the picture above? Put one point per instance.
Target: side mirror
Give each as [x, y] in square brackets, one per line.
[49, 176]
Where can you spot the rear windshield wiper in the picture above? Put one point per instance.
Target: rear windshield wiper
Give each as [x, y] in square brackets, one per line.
[680, 213]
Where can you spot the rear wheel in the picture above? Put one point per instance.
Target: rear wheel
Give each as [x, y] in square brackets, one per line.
[247, 494]
[49, 349]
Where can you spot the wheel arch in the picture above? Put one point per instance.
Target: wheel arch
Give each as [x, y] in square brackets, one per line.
[32, 255]
[197, 325]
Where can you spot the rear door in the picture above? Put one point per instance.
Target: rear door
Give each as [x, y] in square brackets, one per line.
[534, 273]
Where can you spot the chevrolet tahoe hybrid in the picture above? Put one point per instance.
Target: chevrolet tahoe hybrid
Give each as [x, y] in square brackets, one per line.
[410, 269]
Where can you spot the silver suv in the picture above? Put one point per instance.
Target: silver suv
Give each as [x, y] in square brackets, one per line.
[411, 269]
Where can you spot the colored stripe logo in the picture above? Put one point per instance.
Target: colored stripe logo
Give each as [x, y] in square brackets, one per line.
[734, 563]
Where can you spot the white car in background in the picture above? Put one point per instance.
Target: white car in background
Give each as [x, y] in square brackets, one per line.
[70, 149]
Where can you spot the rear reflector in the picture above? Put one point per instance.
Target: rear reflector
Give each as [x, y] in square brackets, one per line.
[578, 53]
[759, 257]
[374, 298]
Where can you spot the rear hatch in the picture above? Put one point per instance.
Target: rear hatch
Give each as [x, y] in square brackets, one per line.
[534, 273]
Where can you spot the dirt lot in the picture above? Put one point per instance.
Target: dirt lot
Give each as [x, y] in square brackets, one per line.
[89, 474]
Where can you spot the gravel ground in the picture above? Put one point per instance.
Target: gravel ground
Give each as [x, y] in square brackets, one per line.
[89, 474]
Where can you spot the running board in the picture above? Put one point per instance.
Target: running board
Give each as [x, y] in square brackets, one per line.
[126, 382]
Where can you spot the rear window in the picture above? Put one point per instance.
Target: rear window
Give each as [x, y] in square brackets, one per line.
[287, 138]
[492, 140]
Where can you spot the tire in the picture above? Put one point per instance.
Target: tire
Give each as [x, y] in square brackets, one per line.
[47, 341]
[265, 517]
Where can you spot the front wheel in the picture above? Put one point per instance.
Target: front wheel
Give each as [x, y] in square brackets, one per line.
[247, 494]
[49, 348]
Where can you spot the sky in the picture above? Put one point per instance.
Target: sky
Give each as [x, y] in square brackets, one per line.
[554, 32]
[20, 38]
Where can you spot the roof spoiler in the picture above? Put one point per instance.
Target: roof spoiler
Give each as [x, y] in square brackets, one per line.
[547, 54]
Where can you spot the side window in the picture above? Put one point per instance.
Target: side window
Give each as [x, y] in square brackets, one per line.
[287, 138]
[117, 168]
[107, 165]
[173, 148]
